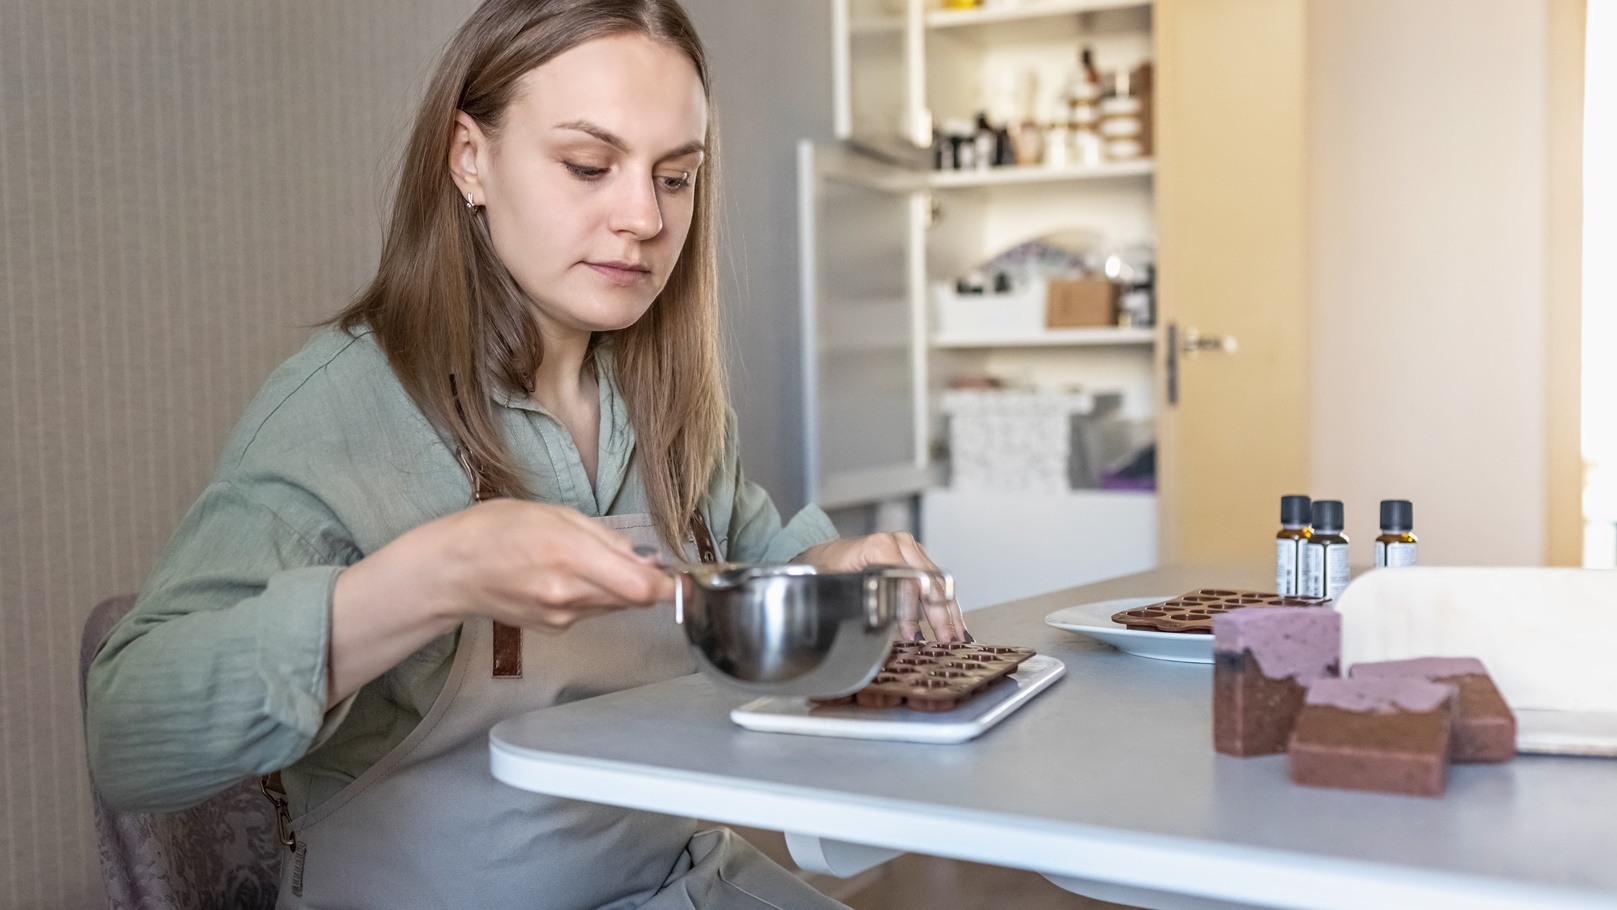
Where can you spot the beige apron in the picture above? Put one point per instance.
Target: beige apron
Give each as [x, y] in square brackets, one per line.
[429, 826]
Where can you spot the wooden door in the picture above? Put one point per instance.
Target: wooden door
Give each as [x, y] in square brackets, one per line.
[1233, 234]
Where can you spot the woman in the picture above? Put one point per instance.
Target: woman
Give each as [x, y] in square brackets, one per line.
[529, 390]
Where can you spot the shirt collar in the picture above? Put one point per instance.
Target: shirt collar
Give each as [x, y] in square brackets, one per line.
[614, 441]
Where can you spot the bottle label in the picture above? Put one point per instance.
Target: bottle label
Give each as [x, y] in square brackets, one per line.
[1394, 555]
[1311, 571]
[1286, 565]
[1336, 569]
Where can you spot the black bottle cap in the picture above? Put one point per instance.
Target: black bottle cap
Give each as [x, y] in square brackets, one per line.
[1397, 515]
[1328, 516]
[1294, 510]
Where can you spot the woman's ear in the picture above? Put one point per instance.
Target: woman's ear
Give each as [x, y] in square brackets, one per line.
[468, 158]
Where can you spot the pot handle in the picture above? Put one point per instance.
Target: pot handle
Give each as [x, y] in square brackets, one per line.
[931, 580]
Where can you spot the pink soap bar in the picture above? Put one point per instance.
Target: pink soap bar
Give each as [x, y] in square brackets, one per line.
[1387, 735]
[1263, 660]
[1484, 725]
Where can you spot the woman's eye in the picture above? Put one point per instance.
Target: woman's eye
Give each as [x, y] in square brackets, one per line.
[674, 184]
[584, 171]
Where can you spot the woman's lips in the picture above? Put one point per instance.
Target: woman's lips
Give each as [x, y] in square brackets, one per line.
[620, 273]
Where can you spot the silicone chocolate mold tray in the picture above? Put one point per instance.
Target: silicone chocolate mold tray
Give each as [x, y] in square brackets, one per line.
[926, 676]
[1194, 612]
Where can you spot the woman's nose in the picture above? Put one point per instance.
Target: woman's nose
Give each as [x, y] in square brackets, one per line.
[637, 210]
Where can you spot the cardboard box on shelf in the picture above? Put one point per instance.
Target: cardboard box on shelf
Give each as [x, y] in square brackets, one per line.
[1088, 301]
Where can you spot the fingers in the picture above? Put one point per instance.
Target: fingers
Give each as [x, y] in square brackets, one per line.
[909, 620]
[934, 604]
[545, 566]
[942, 613]
[603, 574]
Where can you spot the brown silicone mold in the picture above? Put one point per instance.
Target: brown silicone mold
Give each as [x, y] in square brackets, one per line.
[926, 676]
[1194, 612]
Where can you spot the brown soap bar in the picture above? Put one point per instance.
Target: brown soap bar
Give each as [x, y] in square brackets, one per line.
[1387, 735]
[1193, 612]
[1263, 661]
[934, 677]
[1484, 726]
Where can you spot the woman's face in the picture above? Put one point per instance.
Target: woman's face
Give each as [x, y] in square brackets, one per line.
[589, 185]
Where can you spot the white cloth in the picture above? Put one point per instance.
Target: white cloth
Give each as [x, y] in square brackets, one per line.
[1545, 635]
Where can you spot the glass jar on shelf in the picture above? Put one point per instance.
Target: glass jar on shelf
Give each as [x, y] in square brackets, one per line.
[1121, 125]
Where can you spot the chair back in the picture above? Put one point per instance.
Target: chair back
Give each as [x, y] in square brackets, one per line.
[221, 854]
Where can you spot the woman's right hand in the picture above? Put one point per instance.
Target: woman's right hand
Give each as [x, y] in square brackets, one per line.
[537, 566]
[525, 564]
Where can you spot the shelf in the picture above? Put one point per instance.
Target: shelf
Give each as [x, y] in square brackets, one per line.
[1025, 12]
[1022, 11]
[1089, 337]
[1015, 176]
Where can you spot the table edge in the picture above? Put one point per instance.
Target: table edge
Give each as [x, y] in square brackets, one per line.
[1256, 875]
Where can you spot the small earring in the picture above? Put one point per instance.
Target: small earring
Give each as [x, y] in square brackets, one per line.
[470, 205]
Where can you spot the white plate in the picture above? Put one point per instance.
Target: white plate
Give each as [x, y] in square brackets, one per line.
[1095, 621]
[779, 714]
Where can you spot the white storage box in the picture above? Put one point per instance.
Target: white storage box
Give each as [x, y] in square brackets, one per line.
[1016, 440]
[1019, 312]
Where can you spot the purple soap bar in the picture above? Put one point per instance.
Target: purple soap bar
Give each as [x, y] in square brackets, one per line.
[1484, 725]
[1389, 735]
[1424, 667]
[1379, 696]
[1288, 642]
[1263, 660]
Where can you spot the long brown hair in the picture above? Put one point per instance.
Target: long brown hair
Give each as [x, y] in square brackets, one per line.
[450, 316]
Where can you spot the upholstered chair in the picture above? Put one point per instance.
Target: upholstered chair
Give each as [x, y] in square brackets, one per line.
[221, 854]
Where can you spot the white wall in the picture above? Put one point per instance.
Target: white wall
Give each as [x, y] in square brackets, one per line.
[1599, 411]
[1428, 135]
[771, 63]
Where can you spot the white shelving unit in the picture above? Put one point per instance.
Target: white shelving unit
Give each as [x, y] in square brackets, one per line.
[1050, 338]
[1020, 19]
[900, 67]
[1013, 176]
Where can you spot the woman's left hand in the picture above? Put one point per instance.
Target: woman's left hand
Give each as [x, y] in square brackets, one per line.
[894, 549]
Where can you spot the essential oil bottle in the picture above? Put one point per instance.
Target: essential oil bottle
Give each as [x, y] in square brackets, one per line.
[1294, 532]
[1396, 545]
[1325, 554]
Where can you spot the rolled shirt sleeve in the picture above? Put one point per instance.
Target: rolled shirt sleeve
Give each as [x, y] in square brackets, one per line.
[756, 533]
[219, 672]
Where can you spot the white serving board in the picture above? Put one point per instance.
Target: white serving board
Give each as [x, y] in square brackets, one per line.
[779, 714]
[1566, 732]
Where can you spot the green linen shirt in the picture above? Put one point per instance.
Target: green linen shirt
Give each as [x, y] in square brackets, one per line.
[219, 672]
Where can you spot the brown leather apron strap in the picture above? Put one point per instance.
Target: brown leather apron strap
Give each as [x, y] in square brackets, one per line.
[507, 639]
[706, 551]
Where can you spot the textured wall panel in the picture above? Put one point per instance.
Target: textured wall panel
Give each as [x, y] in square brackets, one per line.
[184, 188]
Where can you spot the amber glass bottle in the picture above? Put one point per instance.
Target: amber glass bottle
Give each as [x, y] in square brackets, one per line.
[1396, 545]
[1325, 555]
[1294, 532]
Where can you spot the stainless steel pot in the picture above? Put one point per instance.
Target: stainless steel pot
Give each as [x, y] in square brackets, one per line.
[793, 629]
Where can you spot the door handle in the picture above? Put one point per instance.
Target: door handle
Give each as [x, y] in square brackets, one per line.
[1194, 341]
[1190, 344]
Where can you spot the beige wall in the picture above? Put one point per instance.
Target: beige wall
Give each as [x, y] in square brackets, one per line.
[186, 186]
[1430, 293]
